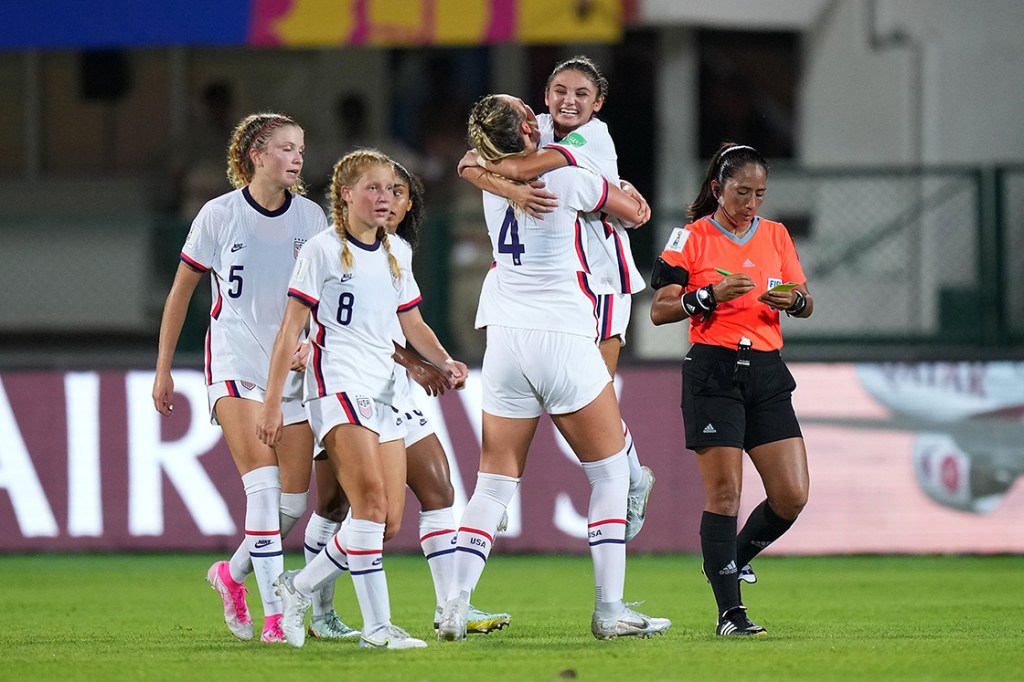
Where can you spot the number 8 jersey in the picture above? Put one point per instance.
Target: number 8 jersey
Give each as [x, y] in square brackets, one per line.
[354, 314]
[541, 278]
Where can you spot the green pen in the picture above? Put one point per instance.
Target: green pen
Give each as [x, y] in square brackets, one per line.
[720, 271]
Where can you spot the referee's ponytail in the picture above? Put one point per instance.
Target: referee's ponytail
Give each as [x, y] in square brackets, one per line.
[729, 158]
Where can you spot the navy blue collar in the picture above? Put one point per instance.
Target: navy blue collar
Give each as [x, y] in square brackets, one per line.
[270, 214]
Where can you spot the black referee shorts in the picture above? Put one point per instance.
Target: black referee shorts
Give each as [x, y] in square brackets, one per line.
[719, 412]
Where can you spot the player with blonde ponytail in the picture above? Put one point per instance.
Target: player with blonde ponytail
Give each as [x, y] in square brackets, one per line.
[247, 240]
[351, 285]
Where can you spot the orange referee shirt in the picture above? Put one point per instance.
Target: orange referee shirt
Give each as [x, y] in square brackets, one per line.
[765, 253]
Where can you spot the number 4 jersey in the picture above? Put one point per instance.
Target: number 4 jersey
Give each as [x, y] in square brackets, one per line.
[249, 253]
[541, 278]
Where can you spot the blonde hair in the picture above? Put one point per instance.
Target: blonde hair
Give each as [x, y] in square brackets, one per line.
[493, 128]
[254, 132]
[346, 173]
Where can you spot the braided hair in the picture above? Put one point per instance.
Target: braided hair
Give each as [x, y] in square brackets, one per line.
[346, 173]
[493, 128]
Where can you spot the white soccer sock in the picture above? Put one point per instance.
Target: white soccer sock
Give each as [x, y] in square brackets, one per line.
[319, 532]
[606, 526]
[476, 531]
[293, 506]
[636, 475]
[437, 538]
[263, 532]
[326, 566]
[366, 565]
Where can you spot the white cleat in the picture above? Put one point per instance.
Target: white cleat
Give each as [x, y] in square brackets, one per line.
[636, 504]
[330, 626]
[294, 604]
[629, 623]
[452, 627]
[391, 637]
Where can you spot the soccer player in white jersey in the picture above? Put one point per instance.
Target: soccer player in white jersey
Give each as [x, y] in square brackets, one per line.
[428, 474]
[572, 135]
[351, 283]
[247, 240]
[539, 310]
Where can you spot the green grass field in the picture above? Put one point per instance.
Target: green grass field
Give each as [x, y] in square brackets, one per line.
[153, 617]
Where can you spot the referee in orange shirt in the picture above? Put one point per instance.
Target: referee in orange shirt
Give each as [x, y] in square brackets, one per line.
[732, 273]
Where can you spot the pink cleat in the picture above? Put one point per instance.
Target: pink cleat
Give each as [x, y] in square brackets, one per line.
[272, 631]
[236, 612]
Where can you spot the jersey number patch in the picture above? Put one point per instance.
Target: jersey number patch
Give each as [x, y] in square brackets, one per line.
[235, 278]
[508, 238]
[345, 303]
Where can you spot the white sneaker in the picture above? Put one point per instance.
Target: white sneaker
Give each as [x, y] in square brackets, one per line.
[294, 604]
[452, 627]
[391, 637]
[636, 504]
[746, 574]
[330, 626]
[630, 623]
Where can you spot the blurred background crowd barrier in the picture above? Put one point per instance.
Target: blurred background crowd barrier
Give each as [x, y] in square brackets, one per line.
[897, 149]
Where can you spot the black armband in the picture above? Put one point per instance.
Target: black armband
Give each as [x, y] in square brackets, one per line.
[799, 305]
[700, 301]
[664, 274]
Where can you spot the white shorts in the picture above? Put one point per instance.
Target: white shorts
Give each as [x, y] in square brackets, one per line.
[291, 408]
[613, 311]
[417, 426]
[341, 408]
[529, 371]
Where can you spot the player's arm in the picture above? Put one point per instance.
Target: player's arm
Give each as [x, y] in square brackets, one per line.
[628, 210]
[270, 426]
[175, 308]
[523, 168]
[530, 197]
[421, 337]
[634, 194]
[433, 381]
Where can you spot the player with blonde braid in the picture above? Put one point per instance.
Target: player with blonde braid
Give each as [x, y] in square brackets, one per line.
[353, 288]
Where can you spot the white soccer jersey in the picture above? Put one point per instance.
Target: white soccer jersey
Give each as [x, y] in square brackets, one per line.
[351, 339]
[249, 253]
[402, 251]
[541, 277]
[590, 146]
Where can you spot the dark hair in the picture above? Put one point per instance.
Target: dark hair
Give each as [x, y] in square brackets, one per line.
[726, 162]
[409, 228]
[494, 128]
[587, 67]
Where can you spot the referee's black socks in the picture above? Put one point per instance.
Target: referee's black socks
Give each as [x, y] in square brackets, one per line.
[718, 545]
[763, 527]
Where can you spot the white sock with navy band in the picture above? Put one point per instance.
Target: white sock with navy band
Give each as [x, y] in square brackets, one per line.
[263, 532]
[437, 538]
[293, 506]
[365, 547]
[319, 532]
[476, 531]
[606, 526]
[636, 474]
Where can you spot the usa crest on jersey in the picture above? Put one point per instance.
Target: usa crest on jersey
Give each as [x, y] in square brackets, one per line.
[365, 406]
